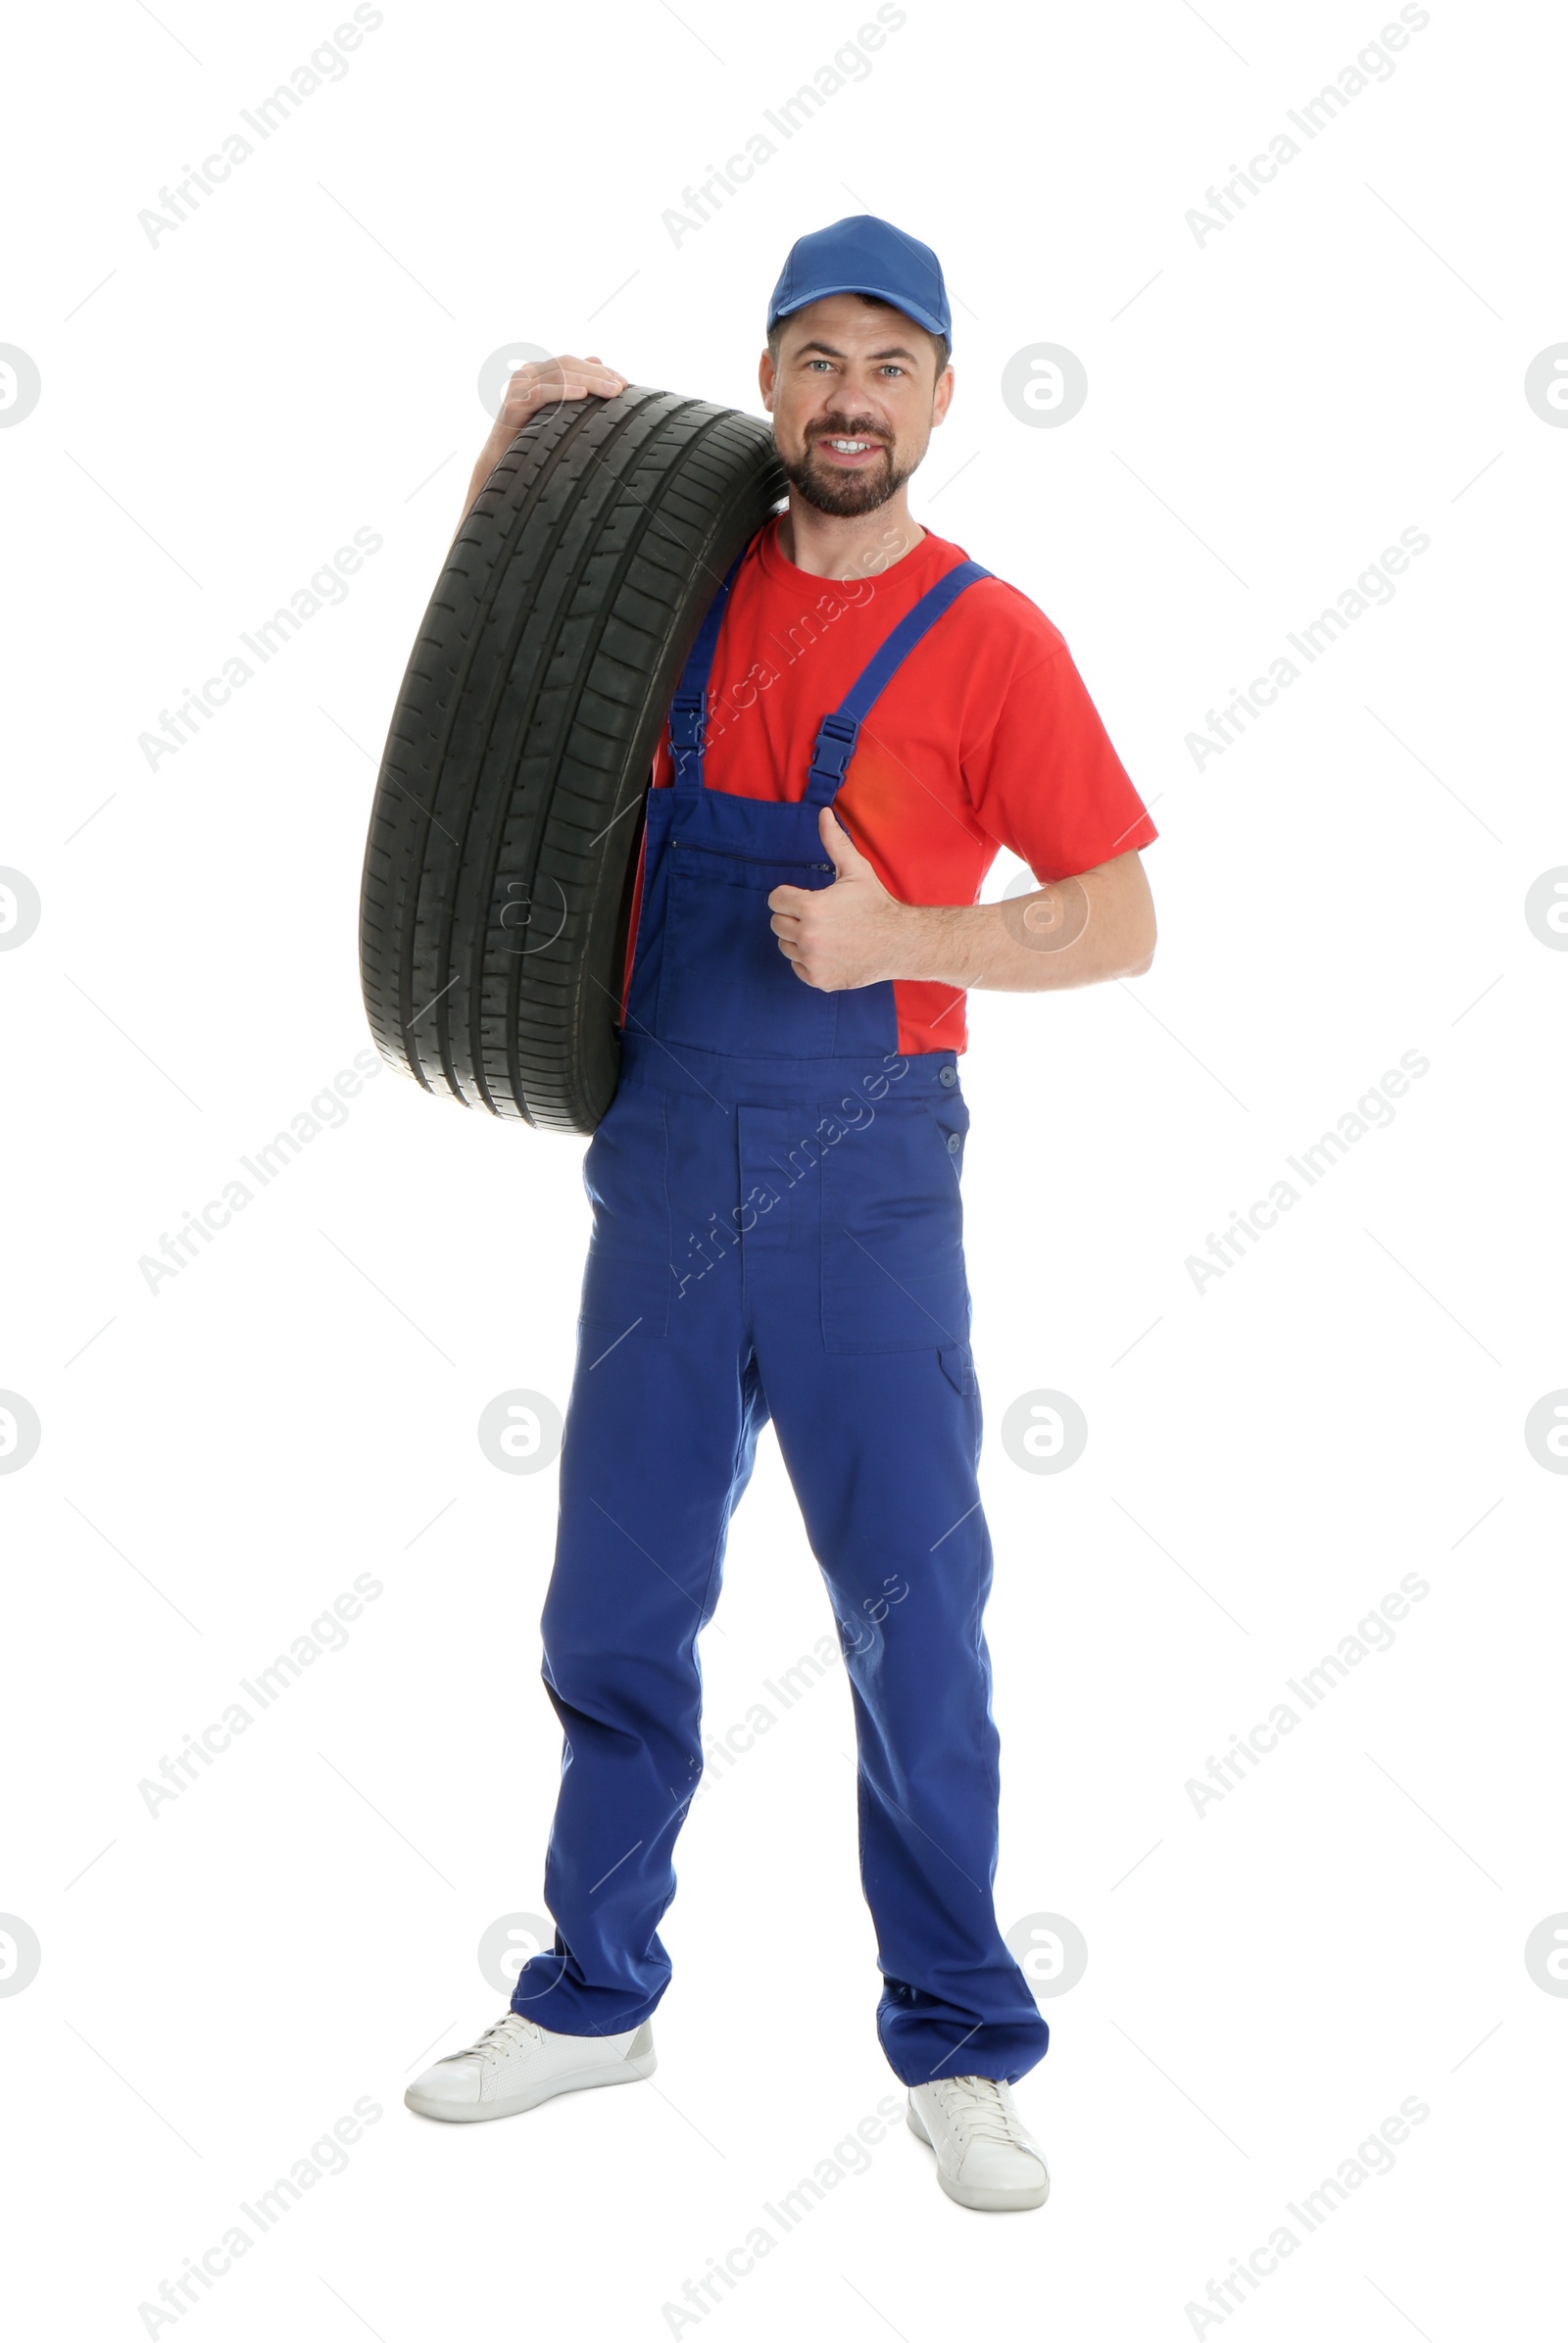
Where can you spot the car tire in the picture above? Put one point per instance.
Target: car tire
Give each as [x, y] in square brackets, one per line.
[508, 807]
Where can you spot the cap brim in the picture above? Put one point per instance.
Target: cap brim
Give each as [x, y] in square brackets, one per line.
[896, 301]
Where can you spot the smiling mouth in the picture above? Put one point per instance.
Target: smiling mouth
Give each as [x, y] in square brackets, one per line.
[851, 451]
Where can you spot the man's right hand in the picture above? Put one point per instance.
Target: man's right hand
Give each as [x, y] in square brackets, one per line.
[541, 383]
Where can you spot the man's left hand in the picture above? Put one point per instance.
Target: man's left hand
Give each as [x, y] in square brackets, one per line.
[844, 934]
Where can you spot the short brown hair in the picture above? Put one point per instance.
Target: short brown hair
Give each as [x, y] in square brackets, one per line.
[938, 341]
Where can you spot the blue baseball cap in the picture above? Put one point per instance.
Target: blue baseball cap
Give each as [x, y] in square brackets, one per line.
[864, 255]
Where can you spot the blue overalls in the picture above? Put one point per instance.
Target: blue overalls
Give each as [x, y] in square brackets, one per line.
[777, 1233]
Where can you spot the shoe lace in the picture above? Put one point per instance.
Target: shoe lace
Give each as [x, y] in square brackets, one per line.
[511, 2031]
[980, 2107]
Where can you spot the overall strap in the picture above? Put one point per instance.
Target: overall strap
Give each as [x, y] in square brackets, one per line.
[837, 736]
[688, 710]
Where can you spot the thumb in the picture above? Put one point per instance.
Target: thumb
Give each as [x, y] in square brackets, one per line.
[846, 856]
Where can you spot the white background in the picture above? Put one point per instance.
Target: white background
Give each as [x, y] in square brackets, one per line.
[1267, 410]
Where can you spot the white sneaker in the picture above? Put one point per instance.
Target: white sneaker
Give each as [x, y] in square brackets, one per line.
[984, 2157]
[515, 2064]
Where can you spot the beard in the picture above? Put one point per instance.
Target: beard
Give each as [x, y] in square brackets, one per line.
[845, 493]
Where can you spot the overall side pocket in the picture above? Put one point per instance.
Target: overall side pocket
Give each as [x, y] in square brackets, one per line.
[893, 1267]
[628, 1277]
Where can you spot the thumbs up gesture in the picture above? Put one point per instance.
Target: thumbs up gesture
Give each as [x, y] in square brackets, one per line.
[845, 935]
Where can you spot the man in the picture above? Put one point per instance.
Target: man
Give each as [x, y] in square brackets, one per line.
[777, 1221]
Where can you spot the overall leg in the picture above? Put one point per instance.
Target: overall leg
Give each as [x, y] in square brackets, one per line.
[881, 1450]
[660, 1440]
[874, 1393]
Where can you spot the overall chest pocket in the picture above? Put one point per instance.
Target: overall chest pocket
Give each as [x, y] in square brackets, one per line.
[725, 983]
[893, 1268]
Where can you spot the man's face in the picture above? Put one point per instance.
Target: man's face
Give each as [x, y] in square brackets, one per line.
[851, 371]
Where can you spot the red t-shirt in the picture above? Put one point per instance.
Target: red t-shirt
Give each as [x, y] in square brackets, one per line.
[985, 736]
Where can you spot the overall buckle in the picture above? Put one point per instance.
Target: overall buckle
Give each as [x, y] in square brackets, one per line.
[688, 719]
[834, 747]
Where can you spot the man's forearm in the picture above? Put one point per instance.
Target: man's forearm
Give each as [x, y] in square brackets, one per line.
[1079, 932]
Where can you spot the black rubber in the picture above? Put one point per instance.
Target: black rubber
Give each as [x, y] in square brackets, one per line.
[503, 839]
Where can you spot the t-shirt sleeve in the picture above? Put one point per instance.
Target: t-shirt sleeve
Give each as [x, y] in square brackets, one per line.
[1045, 781]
